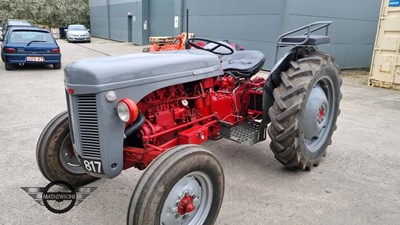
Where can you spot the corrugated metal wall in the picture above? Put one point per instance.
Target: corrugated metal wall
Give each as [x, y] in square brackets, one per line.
[161, 15]
[109, 18]
[99, 18]
[119, 10]
[353, 30]
[256, 24]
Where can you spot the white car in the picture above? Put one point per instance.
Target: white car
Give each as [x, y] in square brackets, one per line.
[78, 33]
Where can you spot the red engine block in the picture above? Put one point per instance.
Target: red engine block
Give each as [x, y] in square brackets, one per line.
[186, 114]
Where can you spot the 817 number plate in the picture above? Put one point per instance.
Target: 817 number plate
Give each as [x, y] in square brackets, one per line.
[92, 166]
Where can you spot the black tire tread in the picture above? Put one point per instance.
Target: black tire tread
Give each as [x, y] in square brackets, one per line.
[284, 114]
[138, 210]
[47, 156]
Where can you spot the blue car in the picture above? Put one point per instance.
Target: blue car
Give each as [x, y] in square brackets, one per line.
[30, 45]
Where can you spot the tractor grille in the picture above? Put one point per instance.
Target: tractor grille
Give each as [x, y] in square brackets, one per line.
[88, 126]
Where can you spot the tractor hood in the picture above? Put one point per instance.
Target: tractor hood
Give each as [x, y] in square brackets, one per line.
[165, 68]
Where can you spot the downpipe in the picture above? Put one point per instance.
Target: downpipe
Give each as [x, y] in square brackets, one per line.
[132, 129]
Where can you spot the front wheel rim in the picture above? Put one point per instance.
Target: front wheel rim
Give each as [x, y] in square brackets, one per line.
[197, 187]
[68, 158]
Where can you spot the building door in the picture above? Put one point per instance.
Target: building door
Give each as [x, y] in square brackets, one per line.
[161, 22]
[129, 28]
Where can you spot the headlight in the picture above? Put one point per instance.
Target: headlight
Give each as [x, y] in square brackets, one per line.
[127, 110]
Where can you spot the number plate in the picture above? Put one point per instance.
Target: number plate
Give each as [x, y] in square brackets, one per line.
[92, 166]
[34, 59]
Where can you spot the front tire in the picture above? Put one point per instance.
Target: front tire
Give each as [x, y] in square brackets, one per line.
[55, 156]
[184, 185]
[303, 116]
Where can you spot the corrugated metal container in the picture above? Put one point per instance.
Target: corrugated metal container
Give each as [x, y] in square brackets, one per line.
[385, 68]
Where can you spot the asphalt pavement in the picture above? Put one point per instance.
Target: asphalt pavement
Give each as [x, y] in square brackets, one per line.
[357, 183]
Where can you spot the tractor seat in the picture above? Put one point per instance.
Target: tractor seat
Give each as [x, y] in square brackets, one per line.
[243, 63]
[313, 40]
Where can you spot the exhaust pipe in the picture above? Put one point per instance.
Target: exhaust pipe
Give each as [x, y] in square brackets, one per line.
[21, 64]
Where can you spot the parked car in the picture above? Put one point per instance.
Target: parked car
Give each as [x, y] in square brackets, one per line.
[13, 23]
[30, 45]
[78, 33]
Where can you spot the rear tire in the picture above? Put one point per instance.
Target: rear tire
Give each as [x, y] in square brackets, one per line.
[9, 66]
[179, 174]
[55, 156]
[303, 116]
[57, 66]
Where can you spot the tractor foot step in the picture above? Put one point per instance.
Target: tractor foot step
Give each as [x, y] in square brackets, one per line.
[248, 132]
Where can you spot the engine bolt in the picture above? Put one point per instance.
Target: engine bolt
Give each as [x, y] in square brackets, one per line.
[184, 102]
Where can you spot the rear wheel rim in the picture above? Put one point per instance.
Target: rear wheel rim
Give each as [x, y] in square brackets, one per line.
[68, 158]
[318, 115]
[196, 185]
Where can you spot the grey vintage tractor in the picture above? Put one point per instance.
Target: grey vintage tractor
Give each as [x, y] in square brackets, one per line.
[153, 110]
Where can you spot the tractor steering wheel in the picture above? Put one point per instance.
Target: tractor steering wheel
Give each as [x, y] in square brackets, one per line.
[195, 43]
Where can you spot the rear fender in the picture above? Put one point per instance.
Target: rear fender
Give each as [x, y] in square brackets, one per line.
[283, 64]
[274, 79]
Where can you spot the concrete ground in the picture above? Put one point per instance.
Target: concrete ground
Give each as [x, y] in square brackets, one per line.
[357, 183]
